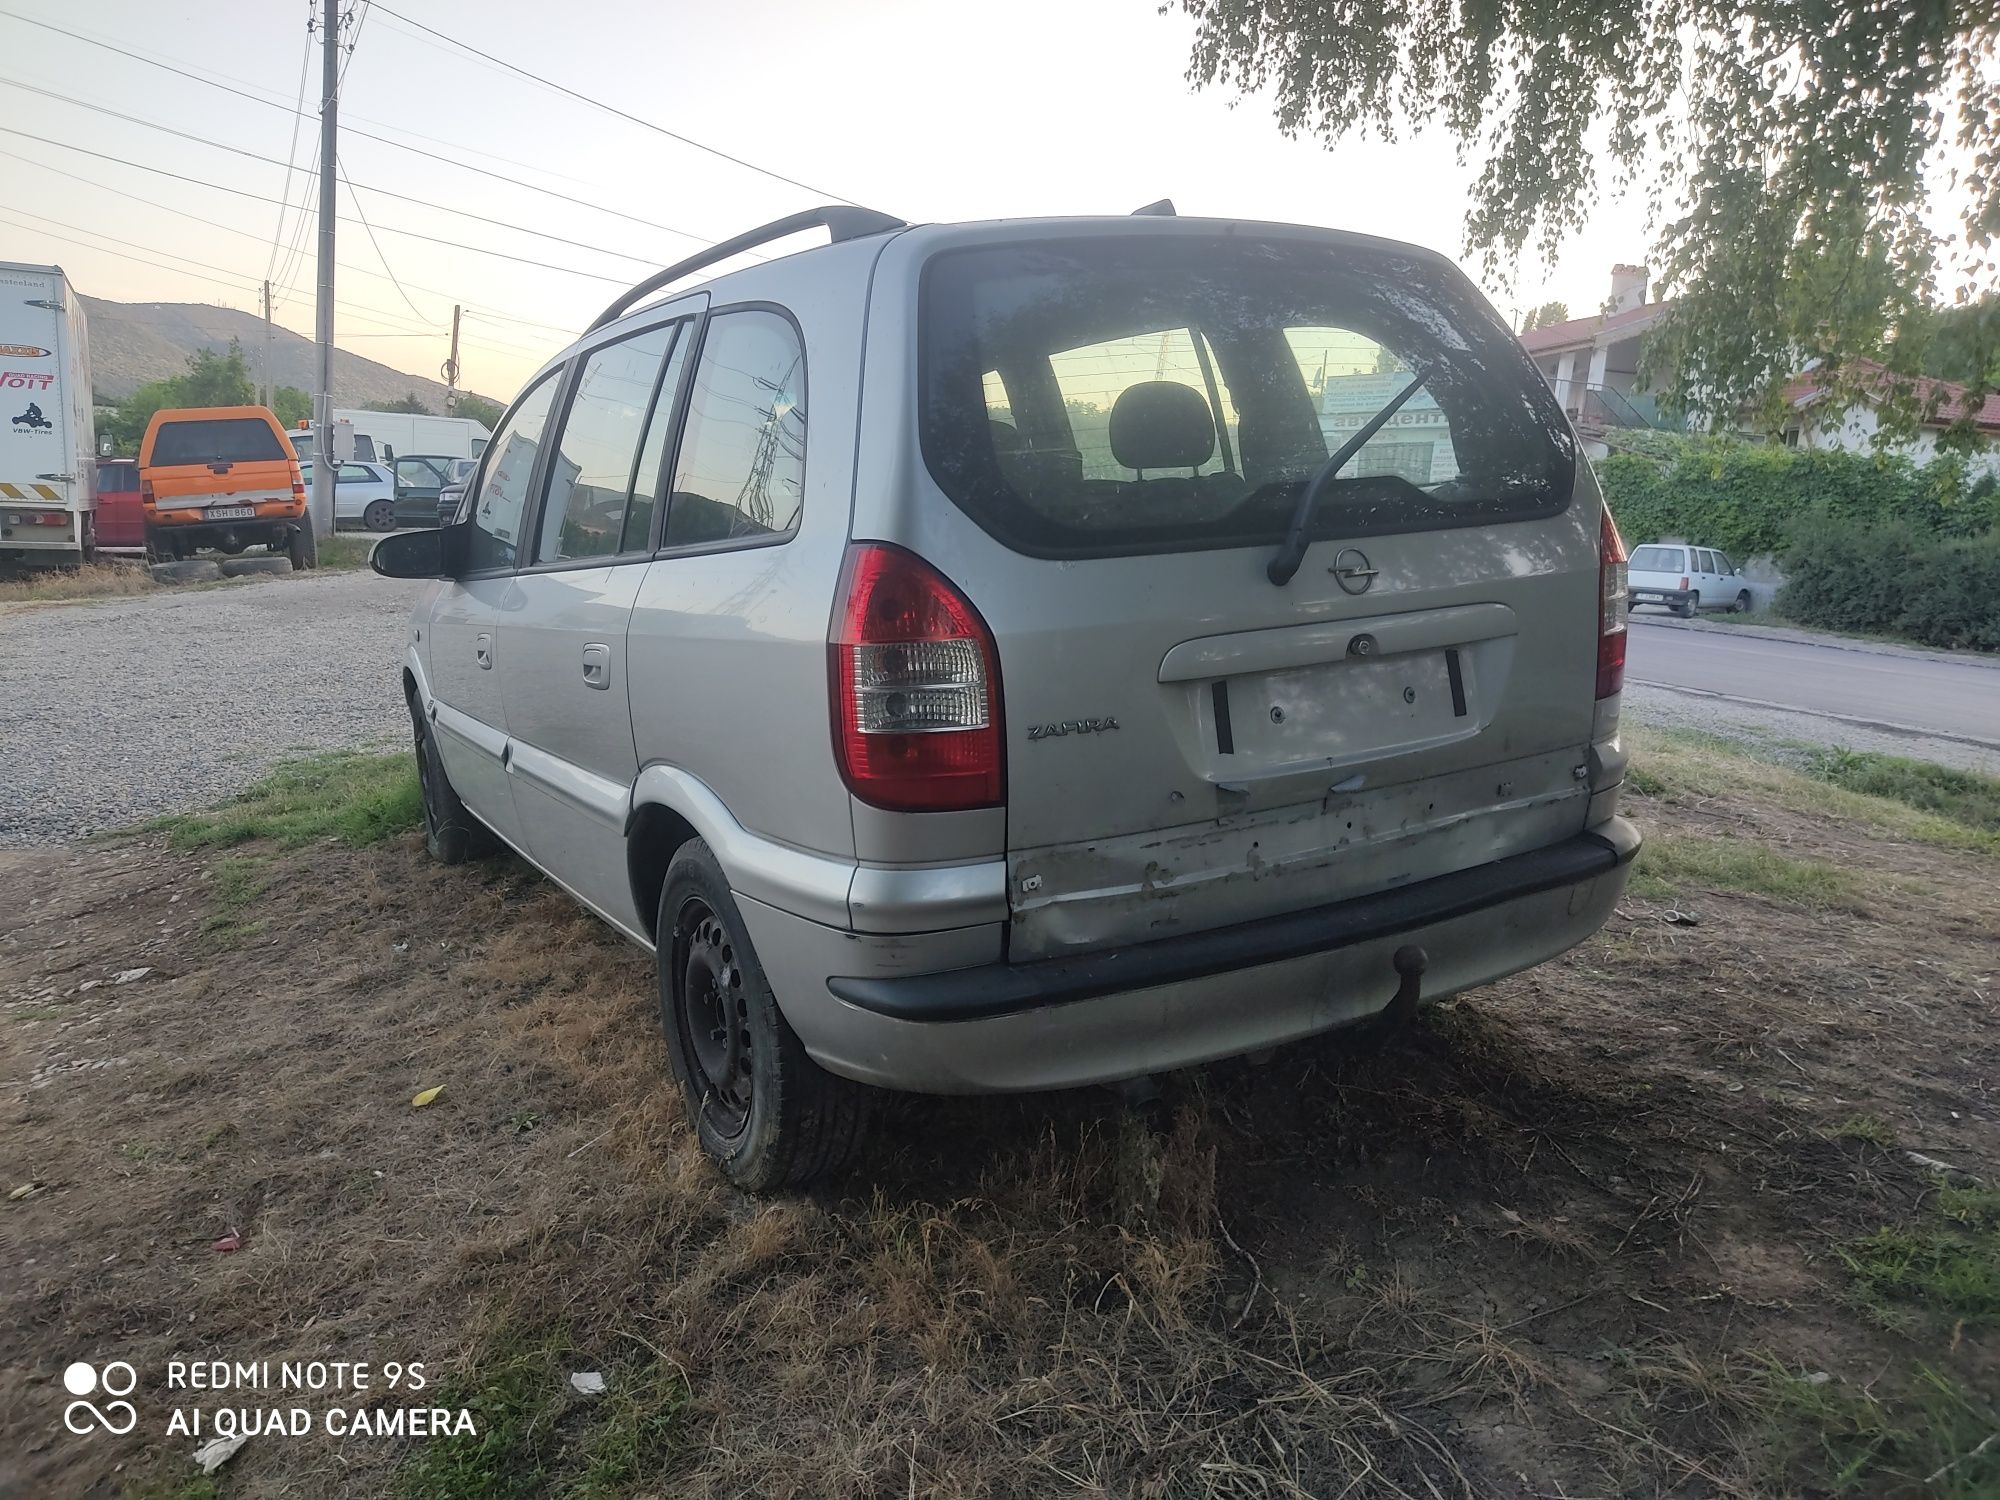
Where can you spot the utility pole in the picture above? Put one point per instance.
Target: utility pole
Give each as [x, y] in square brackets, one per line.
[264, 365]
[450, 370]
[329, 140]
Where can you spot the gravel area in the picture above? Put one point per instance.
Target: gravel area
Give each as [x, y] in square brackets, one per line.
[1674, 708]
[125, 709]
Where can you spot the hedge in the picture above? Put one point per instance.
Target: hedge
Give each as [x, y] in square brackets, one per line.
[1894, 579]
[1746, 497]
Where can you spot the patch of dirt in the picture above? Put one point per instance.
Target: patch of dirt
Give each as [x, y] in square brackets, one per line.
[1540, 1245]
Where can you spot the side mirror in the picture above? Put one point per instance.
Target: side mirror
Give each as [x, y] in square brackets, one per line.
[419, 554]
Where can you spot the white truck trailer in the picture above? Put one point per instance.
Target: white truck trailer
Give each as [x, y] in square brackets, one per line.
[48, 434]
[379, 436]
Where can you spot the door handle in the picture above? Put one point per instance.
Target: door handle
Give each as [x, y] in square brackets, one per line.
[482, 651]
[597, 666]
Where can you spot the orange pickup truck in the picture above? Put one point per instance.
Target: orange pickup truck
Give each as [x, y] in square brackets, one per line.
[222, 477]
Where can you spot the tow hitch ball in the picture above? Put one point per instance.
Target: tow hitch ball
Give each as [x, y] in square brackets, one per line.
[1409, 961]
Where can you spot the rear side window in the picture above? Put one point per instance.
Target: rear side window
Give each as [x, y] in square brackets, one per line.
[741, 476]
[1656, 560]
[217, 440]
[591, 468]
[503, 494]
[1131, 394]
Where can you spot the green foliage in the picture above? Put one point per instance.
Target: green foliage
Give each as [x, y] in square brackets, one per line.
[1893, 579]
[480, 410]
[1749, 498]
[1962, 343]
[1544, 316]
[211, 379]
[353, 796]
[535, 1437]
[291, 405]
[1962, 796]
[1785, 150]
[408, 403]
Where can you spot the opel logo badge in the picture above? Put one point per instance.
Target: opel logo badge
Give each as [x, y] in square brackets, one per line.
[1353, 571]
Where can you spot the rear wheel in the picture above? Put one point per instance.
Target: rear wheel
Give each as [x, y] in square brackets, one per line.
[304, 548]
[451, 833]
[380, 516]
[1692, 608]
[770, 1116]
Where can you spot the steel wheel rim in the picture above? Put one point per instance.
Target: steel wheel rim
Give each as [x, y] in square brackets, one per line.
[424, 784]
[713, 1014]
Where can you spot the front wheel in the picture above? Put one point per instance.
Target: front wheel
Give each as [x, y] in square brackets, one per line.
[1742, 606]
[304, 547]
[451, 833]
[770, 1116]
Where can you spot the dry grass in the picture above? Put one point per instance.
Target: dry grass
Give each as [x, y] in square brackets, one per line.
[102, 580]
[1578, 1234]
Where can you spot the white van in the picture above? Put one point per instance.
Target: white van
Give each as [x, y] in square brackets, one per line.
[48, 434]
[380, 435]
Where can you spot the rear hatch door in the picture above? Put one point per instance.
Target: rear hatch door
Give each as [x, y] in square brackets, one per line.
[1130, 418]
[219, 465]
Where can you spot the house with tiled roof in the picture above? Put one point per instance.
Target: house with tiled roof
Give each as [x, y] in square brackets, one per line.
[1866, 388]
[1592, 364]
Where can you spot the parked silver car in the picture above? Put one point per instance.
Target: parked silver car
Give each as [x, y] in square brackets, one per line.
[1016, 655]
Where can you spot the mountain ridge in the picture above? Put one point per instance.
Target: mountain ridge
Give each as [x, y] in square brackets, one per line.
[135, 343]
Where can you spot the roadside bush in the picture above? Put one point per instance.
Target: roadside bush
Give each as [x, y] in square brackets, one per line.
[1893, 579]
[1746, 497]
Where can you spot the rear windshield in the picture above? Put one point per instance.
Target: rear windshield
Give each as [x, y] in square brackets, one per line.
[116, 479]
[217, 440]
[1656, 560]
[1134, 394]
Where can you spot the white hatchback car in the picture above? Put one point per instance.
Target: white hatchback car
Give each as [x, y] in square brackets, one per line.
[1687, 580]
[362, 493]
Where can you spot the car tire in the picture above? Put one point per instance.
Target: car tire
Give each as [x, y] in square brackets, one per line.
[1691, 608]
[304, 547]
[452, 834]
[380, 516]
[1743, 603]
[769, 1115]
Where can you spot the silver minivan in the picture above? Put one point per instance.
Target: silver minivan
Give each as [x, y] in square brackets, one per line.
[1017, 655]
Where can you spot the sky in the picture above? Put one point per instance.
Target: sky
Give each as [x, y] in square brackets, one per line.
[929, 111]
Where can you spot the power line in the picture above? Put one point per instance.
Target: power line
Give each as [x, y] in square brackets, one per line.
[387, 270]
[284, 290]
[299, 112]
[291, 151]
[200, 140]
[236, 282]
[263, 198]
[614, 110]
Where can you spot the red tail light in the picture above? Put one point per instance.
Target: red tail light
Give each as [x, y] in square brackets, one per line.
[1613, 605]
[916, 687]
[1684, 583]
[146, 492]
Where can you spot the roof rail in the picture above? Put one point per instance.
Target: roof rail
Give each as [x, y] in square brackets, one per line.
[842, 223]
[1161, 209]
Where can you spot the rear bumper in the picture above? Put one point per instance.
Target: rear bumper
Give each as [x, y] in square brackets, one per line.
[1674, 597]
[898, 1011]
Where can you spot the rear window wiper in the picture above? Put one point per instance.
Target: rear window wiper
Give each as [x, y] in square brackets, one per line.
[1293, 550]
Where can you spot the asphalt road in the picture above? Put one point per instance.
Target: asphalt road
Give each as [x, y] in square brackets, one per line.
[1908, 694]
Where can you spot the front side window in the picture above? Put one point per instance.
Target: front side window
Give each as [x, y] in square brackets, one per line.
[417, 473]
[591, 468]
[741, 476]
[1143, 393]
[502, 496]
